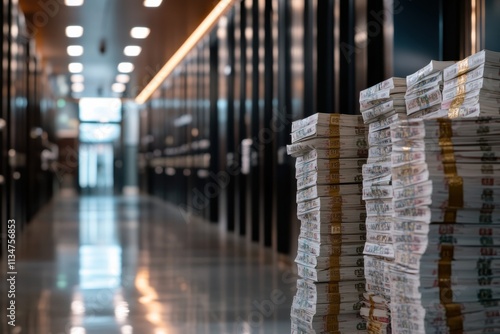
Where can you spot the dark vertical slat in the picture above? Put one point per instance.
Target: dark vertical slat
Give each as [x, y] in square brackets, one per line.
[254, 126]
[347, 58]
[230, 133]
[3, 132]
[269, 165]
[150, 148]
[283, 126]
[242, 113]
[453, 32]
[236, 165]
[213, 119]
[376, 46]
[8, 118]
[325, 84]
[309, 107]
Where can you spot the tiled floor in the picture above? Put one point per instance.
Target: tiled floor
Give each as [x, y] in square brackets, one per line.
[133, 265]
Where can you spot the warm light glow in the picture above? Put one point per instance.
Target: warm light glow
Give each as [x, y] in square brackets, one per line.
[125, 67]
[152, 3]
[132, 50]
[149, 297]
[123, 78]
[195, 37]
[139, 32]
[74, 31]
[118, 87]
[77, 330]
[77, 78]
[127, 329]
[75, 67]
[142, 283]
[77, 87]
[77, 307]
[73, 2]
[473, 32]
[75, 50]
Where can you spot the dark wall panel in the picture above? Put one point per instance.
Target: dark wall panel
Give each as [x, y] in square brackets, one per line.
[415, 44]
[282, 117]
[492, 25]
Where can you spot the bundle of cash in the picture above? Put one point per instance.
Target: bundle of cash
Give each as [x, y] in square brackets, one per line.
[381, 106]
[446, 226]
[424, 90]
[331, 150]
[382, 101]
[472, 86]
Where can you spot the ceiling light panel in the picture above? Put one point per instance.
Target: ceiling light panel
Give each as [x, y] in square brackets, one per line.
[75, 50]
[123, 78]
[75, 67]
[152, 3]
[118, 87]
[125, 67]
[132, 50]
[140, 32]
[74, 31]
[77, 78]
[77, 87]
[73, 2]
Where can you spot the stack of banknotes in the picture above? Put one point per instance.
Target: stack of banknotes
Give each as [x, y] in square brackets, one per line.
[472, 86]
[446, 229]
[330, 150]
[381, 106]
[424, 90]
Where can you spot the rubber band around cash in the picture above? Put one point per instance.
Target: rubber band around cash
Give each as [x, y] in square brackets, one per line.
[462, 79]
[453, 111]
[463, 66]
[372, 308]
[334, 128]
[453, 314]
[455, 182]
[455, 324]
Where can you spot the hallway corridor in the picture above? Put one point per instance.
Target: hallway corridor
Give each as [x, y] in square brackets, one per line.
[133, 265]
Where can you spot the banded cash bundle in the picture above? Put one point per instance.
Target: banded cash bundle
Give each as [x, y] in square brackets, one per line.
[472, 86]
[330, 150]
[446, 189]
[381, 106]
[423, 96]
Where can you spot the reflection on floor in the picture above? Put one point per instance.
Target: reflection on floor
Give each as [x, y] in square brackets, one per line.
[133, 265]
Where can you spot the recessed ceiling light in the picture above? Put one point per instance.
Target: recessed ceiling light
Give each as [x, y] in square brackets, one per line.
[123, 78]
[152, 3]
[139, 32]
[77, 87]
[75, 67]
[118, 87]
[132, 50]
[125, 67]
[73, 2]
[74, 31]
[77, 78]
[75, 50]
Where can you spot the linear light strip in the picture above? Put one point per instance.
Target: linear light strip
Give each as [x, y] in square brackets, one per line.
[222, 7]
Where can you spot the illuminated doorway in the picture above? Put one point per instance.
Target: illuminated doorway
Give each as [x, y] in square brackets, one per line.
[99, 132]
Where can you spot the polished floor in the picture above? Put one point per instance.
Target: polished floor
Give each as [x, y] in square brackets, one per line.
[134, 265]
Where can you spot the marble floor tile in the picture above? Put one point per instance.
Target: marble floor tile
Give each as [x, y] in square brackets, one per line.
[133, 265]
